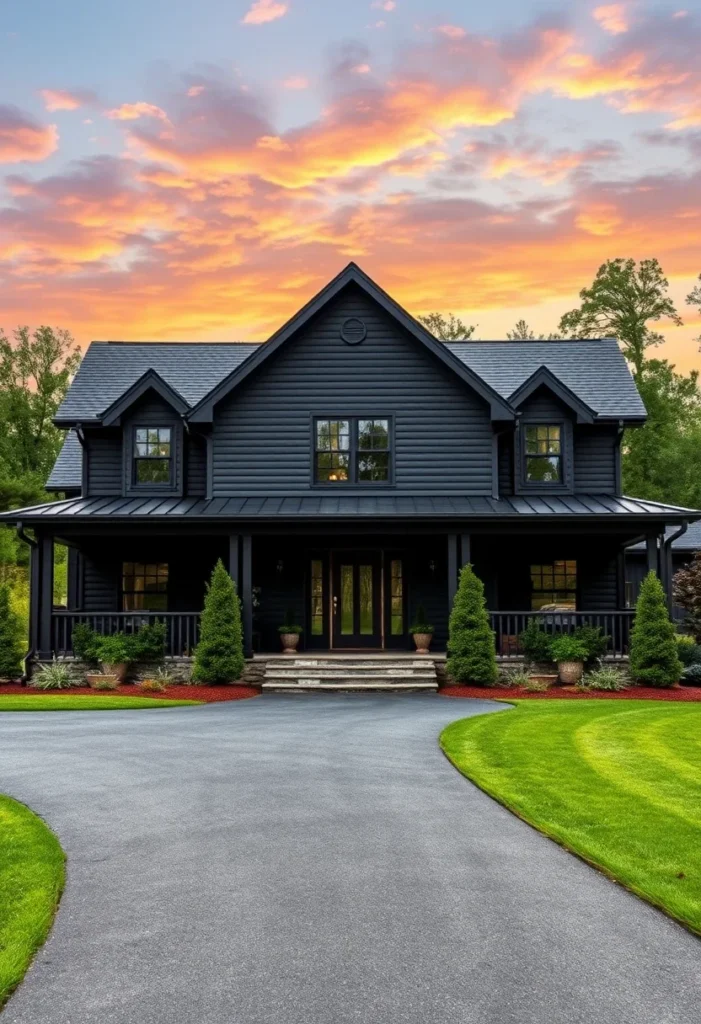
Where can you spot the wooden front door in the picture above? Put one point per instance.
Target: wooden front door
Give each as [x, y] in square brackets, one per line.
[356, 599]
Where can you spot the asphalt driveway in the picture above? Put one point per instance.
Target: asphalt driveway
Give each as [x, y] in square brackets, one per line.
[316, 860]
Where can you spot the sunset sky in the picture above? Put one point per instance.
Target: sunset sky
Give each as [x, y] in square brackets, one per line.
[197, 170]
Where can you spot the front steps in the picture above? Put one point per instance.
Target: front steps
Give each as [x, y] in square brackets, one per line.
[352, 672]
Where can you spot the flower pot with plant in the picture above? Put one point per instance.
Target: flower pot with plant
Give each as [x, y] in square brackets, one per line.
[570, 655]
[421, 631]
[114, 654]
[289, 632]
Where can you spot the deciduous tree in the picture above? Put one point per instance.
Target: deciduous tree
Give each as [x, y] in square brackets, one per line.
[447, 327]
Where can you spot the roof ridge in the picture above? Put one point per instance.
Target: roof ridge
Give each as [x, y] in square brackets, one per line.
[220, 344]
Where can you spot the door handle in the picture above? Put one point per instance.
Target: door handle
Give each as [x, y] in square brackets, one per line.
[335, 604]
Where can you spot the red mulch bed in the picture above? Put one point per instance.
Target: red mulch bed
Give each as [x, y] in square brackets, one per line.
[681, 693]
[208, 694]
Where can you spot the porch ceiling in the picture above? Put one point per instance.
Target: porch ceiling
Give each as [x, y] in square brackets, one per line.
[590, 507]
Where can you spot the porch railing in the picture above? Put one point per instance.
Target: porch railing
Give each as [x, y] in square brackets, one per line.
[182, 628]
[616, 626]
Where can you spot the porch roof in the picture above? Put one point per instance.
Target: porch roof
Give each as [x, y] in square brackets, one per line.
[597, 507]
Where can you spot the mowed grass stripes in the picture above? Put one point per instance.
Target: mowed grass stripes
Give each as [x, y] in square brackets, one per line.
[618, 783]
[31, 881]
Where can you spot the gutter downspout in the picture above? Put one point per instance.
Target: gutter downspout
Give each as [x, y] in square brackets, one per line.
[667, 560]
[33, 543]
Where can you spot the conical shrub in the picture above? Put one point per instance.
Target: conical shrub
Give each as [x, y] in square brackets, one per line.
[10, 637]
[471, 650]
[653, 649]
[219, 654]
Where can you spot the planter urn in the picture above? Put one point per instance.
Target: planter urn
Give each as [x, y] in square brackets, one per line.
[119, 669]
[570, 672]
[423, 642]
[289, 642]
[94, 679]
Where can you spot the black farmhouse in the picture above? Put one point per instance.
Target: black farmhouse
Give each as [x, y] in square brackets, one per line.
[344, 469]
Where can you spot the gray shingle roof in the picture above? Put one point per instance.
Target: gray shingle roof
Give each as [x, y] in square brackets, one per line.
[594, 370]
[109, 368]
[585, 507]
[689, 541]
[68, 468]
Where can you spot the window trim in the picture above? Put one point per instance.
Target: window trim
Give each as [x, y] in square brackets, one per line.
[553, 563]
[354, 418]
[162, 487]
[564, 484]
[123, 592]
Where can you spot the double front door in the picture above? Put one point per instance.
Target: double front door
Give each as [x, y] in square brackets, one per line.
[356, 600]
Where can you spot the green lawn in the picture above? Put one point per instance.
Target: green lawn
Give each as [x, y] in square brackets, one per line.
[61, 702]
[618, 782]
[31, 880]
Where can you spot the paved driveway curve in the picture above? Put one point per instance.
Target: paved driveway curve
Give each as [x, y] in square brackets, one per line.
[316, 860]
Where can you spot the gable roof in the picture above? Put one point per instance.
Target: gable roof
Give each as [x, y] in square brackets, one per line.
[543, 377]
[593, 369]
[149, 381]
[352, 274]
[110, 368]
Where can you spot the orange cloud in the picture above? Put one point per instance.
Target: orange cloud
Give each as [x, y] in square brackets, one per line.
[613, 18]
[22, 138]
[262, 11]
[133, 111]
[62, 99]
[531, 159]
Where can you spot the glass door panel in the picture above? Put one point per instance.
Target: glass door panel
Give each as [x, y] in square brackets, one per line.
[357, 600]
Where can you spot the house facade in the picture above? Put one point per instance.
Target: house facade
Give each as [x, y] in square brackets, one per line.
[344, 470]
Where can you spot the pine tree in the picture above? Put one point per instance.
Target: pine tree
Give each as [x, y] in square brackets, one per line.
[10, 637]
[219, 654]
[653, 649]
[472, 654]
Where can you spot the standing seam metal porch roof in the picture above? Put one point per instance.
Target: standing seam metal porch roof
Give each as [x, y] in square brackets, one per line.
[589, 506]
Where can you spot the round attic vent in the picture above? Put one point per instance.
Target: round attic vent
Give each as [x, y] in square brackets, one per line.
[353, 331]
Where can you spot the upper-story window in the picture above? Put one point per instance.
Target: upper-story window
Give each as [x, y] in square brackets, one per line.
[352, 450]
[543, 453]
[153, 455]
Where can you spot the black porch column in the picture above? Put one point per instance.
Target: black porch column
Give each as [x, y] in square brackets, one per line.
[652, 559]
[247, 593]
[452, 568]
[34, 595]
[234, 570]
[46, 594]
[465, 549]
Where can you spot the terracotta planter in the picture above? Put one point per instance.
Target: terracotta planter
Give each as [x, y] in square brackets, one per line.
[119, 670]
[289, 642]
[548, 678]
[422, 641]
[570, 672]
[97, 677]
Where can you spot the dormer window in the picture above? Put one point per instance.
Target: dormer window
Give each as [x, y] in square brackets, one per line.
[543, 453]
[354, 450]
[153, 462]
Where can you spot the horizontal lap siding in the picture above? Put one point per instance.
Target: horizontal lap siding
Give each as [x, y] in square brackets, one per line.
[196, 475]
[595, 459]
[262, 432]
[104, 462]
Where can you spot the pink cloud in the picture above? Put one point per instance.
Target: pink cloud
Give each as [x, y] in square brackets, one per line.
[195, 90]
[613, 18]
[133, 111]
[384, 5]
[262, 11]
[62, 99]
[296, 82]
[526, 158]
[452, 31]
[23, 138]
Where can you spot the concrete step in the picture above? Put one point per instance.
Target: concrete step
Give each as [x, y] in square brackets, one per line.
[342, 670]
[379, 684]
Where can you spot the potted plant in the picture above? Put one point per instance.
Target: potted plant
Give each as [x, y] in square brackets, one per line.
[570, 655]
[114, 654]
[421, 631]
[289, 633]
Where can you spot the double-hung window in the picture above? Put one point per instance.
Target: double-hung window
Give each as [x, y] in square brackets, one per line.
[543, 453]
[153, 455]
[355, 450]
